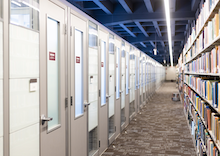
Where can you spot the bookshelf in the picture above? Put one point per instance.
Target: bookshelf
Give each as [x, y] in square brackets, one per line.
[204, 123]
[206, 49]
[199, 78]
[202, 97]
[213, 11]
[205, 74]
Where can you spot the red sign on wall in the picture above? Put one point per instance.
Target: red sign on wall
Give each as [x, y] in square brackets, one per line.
[52, 56]
[116, 65]
[77, 59]
[102, 64]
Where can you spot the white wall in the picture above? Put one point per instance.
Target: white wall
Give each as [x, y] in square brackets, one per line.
[170, 73]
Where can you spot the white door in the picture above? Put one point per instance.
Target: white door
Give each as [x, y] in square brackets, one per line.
[52, 71]
[93, 89]
[118, 87]
[111, 89]
[104, 95]
[79, 84]
[132, 84]
[123, 83]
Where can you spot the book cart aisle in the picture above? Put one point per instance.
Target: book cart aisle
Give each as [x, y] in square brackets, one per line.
[201, 79]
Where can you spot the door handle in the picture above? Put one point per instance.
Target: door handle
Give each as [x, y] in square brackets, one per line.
[129, 88]
[107, 96]
[120, 91]
[86, 104]
[44, 119]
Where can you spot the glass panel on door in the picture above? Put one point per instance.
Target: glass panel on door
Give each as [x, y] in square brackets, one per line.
[140, 73]
[53, 100]
[118, 74]
[103, 73]
[111, 107]
[127, 72]
[132, 84]
[136, 81]
[123, 80]
[79, 73]
[93, 89]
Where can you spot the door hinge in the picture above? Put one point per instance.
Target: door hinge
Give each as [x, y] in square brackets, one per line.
[115, 88]
[71, 31]
[66, 102]
[99, 143]
[71, 100]
[115, 128]
[99, 92]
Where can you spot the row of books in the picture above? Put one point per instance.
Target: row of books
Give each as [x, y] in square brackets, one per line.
[206, 88]
[209, 33]
[205, 11]
[209, 62]
[204, 142]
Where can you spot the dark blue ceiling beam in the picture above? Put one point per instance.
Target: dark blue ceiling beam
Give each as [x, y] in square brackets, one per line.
[172, 22]
[115, 19]
[128, 30]
[195, 4]
[162, 43]
[143, 44]
[152, 43]
[149, 5]
[127, 5]
[106, 6]
[142, 29]
[159, 48]
[142, 38]
[90, 6]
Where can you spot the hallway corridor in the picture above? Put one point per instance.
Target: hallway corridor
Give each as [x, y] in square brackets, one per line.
[160, 129]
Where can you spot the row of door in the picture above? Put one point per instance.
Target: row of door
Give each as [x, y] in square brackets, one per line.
[73, 86]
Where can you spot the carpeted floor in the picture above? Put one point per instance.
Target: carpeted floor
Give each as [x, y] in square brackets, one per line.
[159, 130]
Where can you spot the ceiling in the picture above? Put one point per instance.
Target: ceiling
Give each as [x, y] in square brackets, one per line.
[143, 22]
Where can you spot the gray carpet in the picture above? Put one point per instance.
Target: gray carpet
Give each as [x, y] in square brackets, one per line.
[160, 130]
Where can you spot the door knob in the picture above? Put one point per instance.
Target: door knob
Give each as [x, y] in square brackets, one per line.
[86, 104]
[107, 96]
[44, 119]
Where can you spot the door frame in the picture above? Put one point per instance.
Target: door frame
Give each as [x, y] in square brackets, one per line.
[43, 62]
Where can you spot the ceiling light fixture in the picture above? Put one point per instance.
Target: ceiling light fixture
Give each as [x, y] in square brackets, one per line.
[167, 10]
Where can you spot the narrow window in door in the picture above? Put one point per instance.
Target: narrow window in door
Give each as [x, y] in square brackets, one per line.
[53, 83]
[118, 74]
[127, 72]
[78, 73]
[103, 73]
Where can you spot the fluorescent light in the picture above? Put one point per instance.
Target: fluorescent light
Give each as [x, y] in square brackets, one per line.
[30, 6]
[155, 51]
[167, 10]
[16, 3]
